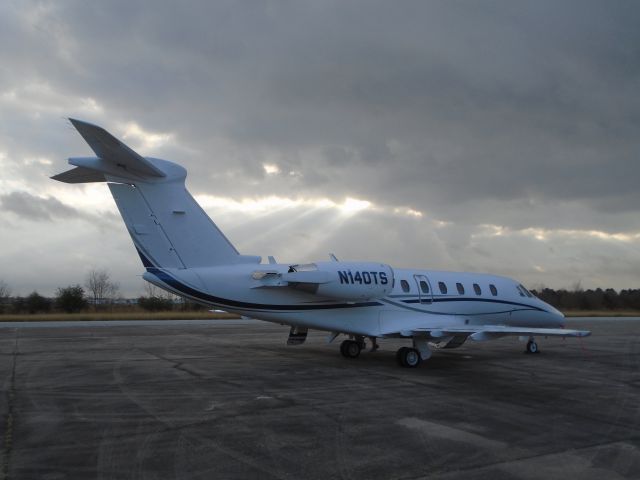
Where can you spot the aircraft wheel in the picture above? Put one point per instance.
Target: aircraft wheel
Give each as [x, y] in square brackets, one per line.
[411, 358]
[399, 355]
[350, 349]
[408, 357]
[532, 347]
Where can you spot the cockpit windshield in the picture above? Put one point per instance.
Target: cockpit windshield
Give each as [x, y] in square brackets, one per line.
[523, 291]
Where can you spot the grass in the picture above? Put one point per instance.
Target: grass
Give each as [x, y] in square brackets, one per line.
[93, 316]
[601, 313]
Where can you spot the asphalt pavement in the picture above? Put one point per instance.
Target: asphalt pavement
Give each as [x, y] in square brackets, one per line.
[229, 399]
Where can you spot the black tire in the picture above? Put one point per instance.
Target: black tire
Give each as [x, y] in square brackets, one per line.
[350, 349]
[353, 349]
[411, 358]
[532, 347]
[400, 356]
[343, 348]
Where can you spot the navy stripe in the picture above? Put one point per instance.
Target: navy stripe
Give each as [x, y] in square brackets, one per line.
[189, 291]
[486, 300]
[145, 261]
[436, 312]
[192, 292]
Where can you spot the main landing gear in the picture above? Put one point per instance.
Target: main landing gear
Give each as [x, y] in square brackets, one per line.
[532, 346]
[408, 357]
[351, 348]
[411, 357]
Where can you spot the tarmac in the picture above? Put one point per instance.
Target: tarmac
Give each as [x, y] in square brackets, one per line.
[229, 399]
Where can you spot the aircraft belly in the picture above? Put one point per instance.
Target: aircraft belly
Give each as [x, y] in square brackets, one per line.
[363, 321]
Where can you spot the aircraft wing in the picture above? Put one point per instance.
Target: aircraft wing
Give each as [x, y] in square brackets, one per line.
[441, 326]
[489, 332]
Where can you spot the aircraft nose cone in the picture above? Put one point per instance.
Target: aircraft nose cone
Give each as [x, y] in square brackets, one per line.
[557, 315]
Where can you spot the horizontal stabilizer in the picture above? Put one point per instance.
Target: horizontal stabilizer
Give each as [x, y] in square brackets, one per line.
[112, 150]
[79, 175]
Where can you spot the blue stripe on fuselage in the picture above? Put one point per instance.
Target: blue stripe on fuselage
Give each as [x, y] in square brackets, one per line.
[205, 297]
[192, 292]
[486, 300]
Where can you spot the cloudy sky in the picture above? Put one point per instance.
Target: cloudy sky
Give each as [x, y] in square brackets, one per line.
[492, 136]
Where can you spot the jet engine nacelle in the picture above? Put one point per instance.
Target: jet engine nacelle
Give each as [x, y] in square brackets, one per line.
[343, 280]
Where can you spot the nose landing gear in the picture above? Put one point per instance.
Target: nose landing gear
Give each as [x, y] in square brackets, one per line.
[532, 346]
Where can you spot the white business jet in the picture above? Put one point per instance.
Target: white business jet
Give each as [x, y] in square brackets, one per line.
[185, 253]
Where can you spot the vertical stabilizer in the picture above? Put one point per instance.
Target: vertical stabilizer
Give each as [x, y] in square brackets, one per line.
[166, 224]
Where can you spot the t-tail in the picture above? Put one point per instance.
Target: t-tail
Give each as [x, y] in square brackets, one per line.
[168, 227]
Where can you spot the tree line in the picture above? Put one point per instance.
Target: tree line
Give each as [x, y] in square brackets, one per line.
[591, 299]
[99, 292]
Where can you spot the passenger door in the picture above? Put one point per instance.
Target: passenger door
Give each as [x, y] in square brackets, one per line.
[424, 288]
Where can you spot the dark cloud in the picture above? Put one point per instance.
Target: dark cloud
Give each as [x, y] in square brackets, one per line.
[47, 208]
[30, 207]
[519, 114]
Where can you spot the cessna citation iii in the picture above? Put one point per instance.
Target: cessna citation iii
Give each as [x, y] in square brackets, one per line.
[185, 253]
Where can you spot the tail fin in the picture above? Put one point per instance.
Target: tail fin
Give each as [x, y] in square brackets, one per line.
[167, 226]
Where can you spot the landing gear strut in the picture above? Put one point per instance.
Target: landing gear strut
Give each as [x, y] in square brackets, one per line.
[532, 346]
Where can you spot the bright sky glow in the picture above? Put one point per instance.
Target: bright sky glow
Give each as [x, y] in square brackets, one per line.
[542, 234]
[144, 138]
[353, 205]
[92, 198]
[350, 205]
[271, 168]
[408, 211]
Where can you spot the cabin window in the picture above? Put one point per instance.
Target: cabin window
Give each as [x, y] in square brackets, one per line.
[460, 288]
[494, 290]
[424, 286]
[477, 289]
[405, 285]
[443, 287]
